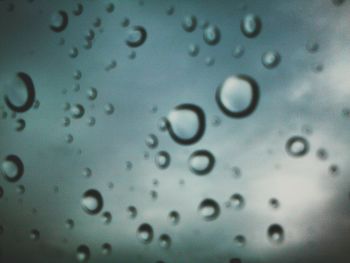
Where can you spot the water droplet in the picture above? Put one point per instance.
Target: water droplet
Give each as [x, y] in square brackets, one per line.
[333, 170]
[87, 172]
[20, 125]
[271, 59]
[209, 209]
[322, 154]
[145, 233]
[152, 141]
[170, 10]
[275, 234]
[162, 124]
[193, 50]
[83, 253]
[240, 240]
[189, 23]
[237, 201]
[110, 7]
[312, 46]
[174, 217]
[238, 51]
[201, 162]
[77, 111]
[20, 189]
[297, 146]
[137, 35]
[59, 21]
[238, 96]
[106, 249]
[274, 203]
[132, 212]
[92, 202]
[65, 121]
[69, 138]
[106, 218]
[78, 9]
[251, 25]
[34, 235]
[186, 124]
[109, 109]
[164, 241]
[162, 159]
[212, 35]
[91, 121]
[73, 52]
[69, 224]
[12, 168]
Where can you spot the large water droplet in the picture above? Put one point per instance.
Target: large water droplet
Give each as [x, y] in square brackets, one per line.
[136, 36]
[201, 162]
[77, 111]
[251, 25]
[92, 201]
[209, 209]
[145, 233]
[12, 168]
[186, 124]
[238, 96]
[297, 146]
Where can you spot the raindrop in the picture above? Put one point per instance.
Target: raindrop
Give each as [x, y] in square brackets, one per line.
[186, 124]
[238, 51]
[297, 146]
[97, 22]
[271, 59]
[91, 121]
[20, 125]
[322, 154]
[20, 189]
[109, 109]
[59, 21]
[237, 201]
[73, 52]
[209, 209]
[78, 10]
[34, 235]
[65, 121]
[145, 233]
[83, 253]
[125, 22]
[274, 203]
[165, 241]
[251, 25]
[189, 23]
[87, 172]
[209, 61]
[136, 36]
[312, 46]
[201, 162]
[174, 217]
[21, 95]
[69, 224]
[77, 111]
[170, 10]
[12, 168]
[240, 240]
[275, 234]
[193, 50]
[333, 170]
[106, 249]
[69, 138]
[110, 8]
[152, 141]
[132, 212]
[238, 96]
[106, 218]
[162, 159]
[211, 35]
[92, 202]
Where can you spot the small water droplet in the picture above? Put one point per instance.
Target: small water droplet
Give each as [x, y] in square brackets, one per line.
[240, 240]
[201, 162]
[77, 111]
[106, 218]
[297, 146]
[78, 9]
[59, 21]
[251, 25]
[271, 59]
[83, 253]
[92, 202]
[34, 235]
[137, 35]
[145, 233]
[12, 168]
[162, 159]
[106, 249]
[193, 50]
[73, 52]
[212, 35]
[189, 23]
[132, 212]
[152, 141]
[69, 224]
[110, 7]
[109, 109]
[209, 209]
[174, 217]
[238, 51]
[164, 241]
[274, 203]
[20, 125]
[275, 234]
[238, 96]
[186, 124]
[237, 201]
